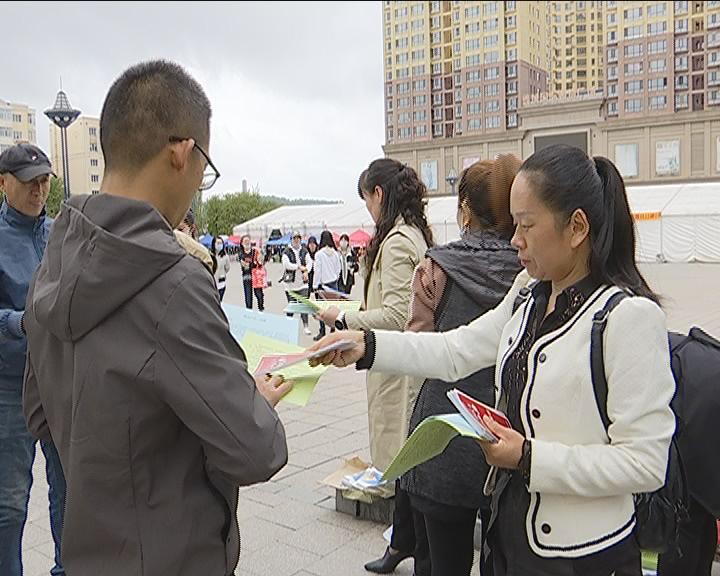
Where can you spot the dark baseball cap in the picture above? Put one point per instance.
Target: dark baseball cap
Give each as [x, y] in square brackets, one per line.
[25, 162]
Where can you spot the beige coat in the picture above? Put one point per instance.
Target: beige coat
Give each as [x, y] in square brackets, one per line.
[387, 301]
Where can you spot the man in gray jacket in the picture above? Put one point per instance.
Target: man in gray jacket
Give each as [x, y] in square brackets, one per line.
[131, 366]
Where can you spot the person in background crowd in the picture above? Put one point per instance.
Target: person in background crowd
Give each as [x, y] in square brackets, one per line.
[247, 256]
[312, 248]
[349, 265]
[455, 284]
[24, 228]
[131, 367]
[297, 265]
[188, 225]
[326, 270]
[222, 268]
[192, 246]
[259, 280]
[395, 197]
[563, 478]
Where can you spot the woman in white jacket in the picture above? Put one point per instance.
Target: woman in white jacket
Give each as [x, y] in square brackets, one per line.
[562, 483]
[326, 270]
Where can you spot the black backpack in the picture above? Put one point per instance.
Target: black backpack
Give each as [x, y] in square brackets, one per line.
[695, 362]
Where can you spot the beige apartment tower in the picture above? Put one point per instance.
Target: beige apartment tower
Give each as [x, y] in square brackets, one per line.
[17, 124]
[84, 155]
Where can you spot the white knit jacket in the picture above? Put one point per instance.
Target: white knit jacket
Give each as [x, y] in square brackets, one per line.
[582, 477]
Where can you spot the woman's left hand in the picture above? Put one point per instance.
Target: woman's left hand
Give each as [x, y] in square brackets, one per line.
[328, 316]
[507, 451]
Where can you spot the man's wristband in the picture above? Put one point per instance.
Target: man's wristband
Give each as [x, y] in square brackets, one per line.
[368, 359]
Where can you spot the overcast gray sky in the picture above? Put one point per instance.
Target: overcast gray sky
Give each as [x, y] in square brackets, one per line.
[296, 88]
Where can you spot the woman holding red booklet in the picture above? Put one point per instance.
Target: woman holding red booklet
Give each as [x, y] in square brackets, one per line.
[562, 482]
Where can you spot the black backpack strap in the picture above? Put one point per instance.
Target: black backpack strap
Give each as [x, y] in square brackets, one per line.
[523, 296]
[597, 358]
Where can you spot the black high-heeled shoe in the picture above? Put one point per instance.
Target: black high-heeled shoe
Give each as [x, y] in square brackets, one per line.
[388, 563]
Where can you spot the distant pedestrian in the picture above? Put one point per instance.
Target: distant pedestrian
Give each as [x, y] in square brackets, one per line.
[297, 265]
[223, 264]
[326, 270]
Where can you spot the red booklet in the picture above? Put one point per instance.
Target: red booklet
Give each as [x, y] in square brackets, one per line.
[473, 412]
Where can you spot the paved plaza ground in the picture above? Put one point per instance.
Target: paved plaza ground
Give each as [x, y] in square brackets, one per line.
[289, 526]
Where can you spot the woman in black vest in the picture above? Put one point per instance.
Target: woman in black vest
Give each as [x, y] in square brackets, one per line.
[456, 284]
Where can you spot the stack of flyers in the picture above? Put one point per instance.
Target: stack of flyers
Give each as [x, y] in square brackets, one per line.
[276, 363]
[473, 412]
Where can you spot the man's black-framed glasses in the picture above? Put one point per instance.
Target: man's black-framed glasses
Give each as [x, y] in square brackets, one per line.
[211, 173]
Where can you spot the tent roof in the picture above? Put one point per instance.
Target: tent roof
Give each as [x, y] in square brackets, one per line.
[670, 199]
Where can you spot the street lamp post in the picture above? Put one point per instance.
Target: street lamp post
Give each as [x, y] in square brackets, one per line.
[62, 115]
[452, 179]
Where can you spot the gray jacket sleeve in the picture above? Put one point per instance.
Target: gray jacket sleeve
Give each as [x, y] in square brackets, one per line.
[202, 374]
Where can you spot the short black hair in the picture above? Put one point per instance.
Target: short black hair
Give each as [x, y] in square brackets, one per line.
[149, 103]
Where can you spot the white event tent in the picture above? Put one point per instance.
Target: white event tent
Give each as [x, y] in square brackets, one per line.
[674, 222]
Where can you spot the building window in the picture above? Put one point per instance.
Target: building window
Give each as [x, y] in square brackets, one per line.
[658, 65]
[655, 84]
[472, 44]
[511, 70]
[681, 26]
[418, 70]
[612, 54]
[681, 44]
[404, 133]
[492, 90]
[420, 131]
[612, 90]
[492, 73]
[633, 87]
[510, 6]
[713, 78]
[681, 101]
[681, 7]
[657, 102]
[93, 147]
[93, 162]
[612, 37]
[655, 10]
[681, 82]
[437, 114]
[473, 60]
[626, 159]
[437, 83]
[94, 178]
[17, 118]
[419, 85]
[419, 115]
[437, 99]
[681, 63]
[512, 87]
[611, 18]
[403, 73]
[713, 39]
[474, 108]
[510, 21]
[657, 47]
[491, 41]
[472, 12]
[633, 68]
[492, 106]
[713, 20]
[633, 105]
[401, 42]
[437, 130]
[473, 92]
[96, 191]
[655, 28]
[490, 25]
[633, 14]
[632, 50]
[713, 59]
[404, 118]
[492, 122]
[512, 103]
[474, 124]
[632, 32]
[17, 135]
[511, 55]
[490, 8]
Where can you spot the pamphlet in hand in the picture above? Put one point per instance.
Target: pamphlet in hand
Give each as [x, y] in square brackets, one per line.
[304, 300]
[474, 411]
[275, 363]
[433, 434]
[330, 294]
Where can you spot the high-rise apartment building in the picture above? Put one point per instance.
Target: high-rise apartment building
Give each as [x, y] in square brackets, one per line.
[461, 68]
[577, 44]
[17, 124]
[662, 57]
[84, 155]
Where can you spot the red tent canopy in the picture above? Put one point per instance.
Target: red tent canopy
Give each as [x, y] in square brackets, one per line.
[360, 238]
[236, 240]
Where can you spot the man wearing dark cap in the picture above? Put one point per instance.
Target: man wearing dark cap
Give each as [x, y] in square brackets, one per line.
[25, 180]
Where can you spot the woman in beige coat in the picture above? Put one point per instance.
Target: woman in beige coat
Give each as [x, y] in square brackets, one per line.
[395, 198]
